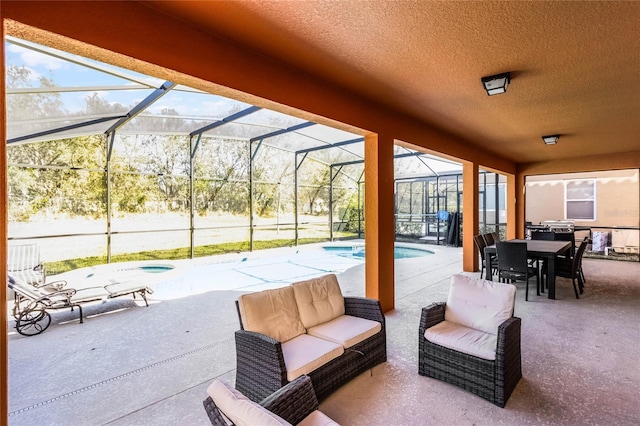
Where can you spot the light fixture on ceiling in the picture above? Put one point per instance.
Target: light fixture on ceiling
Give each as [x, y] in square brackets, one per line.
[551, 139]
[496, 84]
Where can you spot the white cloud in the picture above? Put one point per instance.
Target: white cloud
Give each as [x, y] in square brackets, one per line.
[32, 58]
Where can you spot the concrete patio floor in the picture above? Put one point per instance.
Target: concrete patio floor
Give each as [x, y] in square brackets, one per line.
[132, 365]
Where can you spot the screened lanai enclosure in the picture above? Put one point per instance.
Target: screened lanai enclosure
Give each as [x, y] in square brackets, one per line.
[104, 161]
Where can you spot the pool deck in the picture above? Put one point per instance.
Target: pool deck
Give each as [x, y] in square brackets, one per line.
[128, 364]
[133, 365]
[245, 271]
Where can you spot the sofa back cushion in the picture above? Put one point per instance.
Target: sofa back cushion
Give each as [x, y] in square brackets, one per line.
[479, 304]
[271, 312]
[240, 409]
[319, 300]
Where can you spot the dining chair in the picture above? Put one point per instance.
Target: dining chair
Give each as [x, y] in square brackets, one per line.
[480, 244]
[566, 236]
[571, 268]
[513, 265]
[488, 239]
[540, 263]
[543, 235]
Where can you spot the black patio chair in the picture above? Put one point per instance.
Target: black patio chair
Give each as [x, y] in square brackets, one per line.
[572, 268]
[489, 239]
[480, 243]
[513, 265]
[543, 235]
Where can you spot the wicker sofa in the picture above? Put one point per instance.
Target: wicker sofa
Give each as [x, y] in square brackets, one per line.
[307, 328]
[473, 340]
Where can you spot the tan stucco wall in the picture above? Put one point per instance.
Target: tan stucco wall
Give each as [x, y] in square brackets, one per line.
[617, 197]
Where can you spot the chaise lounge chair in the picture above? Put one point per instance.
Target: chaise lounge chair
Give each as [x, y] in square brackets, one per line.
[31, 302]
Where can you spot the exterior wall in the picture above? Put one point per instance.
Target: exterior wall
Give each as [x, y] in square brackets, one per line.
[621, 161]
[617, 197]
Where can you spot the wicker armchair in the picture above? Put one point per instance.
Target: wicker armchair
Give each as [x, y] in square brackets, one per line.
[294, 402]
[491, 379]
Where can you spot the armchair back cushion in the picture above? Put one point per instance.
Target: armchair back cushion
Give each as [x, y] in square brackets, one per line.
[240, 409]
[271, 312]
[479, 304]
[319, 300]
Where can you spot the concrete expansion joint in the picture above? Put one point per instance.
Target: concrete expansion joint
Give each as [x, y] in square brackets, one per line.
[121, 376]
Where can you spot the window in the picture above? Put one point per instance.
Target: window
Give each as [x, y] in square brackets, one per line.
[580, 199]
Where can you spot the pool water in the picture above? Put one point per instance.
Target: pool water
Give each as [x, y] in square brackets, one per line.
[155, 269]
[357, 252]
[148, 269]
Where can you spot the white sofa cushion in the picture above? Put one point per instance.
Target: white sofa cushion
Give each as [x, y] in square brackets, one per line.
[479, 304]
[240, 409]
[271, 312]
[317, 418]
[463, 339]
[304, 354]
[346, 330]
[319, 300]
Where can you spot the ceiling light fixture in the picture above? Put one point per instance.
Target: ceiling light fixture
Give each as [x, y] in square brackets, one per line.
[551, 139]
[496, 84]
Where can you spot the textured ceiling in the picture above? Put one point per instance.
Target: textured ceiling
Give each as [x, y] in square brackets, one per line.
[575, 65]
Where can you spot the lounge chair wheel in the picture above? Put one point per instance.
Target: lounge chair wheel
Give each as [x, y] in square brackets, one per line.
[33, 321]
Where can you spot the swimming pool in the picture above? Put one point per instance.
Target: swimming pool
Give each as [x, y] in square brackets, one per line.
[357, 251]
[245, 271]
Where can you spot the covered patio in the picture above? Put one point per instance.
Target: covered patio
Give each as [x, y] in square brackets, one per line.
[396, 74]
[125, 368]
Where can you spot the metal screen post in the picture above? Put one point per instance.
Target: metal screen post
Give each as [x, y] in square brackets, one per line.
[295, 197]
[250, 195]
[331, 203]
[192, 154]
[110, 140]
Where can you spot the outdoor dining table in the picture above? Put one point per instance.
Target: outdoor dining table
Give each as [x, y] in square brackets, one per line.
[536, 249]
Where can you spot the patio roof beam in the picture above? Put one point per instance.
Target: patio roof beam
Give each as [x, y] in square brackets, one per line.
[331, 145]
[62, 129]
[144, 104]
[283, 131]
[225, 120]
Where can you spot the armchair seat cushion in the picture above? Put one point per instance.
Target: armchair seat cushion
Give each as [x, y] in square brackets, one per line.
[463, 339]
[304, 354]
[346, 330]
